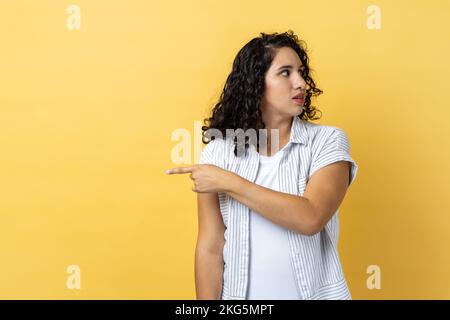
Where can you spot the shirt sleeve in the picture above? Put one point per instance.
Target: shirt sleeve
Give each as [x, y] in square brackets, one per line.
[210, 153]
[336, 148]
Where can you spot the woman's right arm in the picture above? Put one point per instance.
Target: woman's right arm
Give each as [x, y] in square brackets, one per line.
[209, 249]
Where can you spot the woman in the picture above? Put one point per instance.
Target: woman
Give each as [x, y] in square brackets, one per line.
[268, 204]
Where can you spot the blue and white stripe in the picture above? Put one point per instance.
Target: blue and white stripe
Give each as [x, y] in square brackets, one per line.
[315, 260]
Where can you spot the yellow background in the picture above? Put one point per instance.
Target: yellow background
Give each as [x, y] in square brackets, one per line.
[86, 118]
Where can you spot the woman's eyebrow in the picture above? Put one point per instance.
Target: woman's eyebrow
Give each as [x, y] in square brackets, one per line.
[288, 67]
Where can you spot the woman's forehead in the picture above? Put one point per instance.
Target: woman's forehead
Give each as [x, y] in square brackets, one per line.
[286, 56]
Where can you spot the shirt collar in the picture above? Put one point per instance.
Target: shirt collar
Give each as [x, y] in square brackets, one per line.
[299, 134]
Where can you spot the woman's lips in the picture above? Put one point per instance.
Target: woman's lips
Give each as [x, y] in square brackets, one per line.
[299, 100]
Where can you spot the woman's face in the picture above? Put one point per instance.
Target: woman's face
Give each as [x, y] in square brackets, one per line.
[283, 81]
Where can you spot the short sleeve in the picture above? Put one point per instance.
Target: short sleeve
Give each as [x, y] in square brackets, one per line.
[336, 148]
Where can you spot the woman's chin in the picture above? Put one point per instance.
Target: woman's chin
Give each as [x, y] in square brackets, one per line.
[298, 111]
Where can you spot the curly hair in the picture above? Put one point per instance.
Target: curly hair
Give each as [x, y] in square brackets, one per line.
[240, 101]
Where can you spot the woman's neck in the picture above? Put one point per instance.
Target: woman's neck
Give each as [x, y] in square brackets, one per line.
[283, 126]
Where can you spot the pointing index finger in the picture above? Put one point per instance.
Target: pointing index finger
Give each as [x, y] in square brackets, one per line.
[179, 170]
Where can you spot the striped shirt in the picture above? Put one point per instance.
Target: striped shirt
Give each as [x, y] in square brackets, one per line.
[317, 269]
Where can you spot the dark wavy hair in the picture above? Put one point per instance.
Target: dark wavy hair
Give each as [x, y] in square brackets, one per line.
[240, 100]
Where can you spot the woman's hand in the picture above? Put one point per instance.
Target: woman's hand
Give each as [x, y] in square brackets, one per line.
[207, 177]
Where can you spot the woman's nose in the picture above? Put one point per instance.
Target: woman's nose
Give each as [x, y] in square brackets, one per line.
[299, 82]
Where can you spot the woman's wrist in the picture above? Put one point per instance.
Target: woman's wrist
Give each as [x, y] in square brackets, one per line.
[231, 182]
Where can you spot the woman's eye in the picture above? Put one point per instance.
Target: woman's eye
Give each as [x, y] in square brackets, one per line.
[286, 72]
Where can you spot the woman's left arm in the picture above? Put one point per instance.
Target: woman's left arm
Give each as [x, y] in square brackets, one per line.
[306, 214]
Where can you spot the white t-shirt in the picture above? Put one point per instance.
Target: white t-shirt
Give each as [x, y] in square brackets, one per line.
[271, 274]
